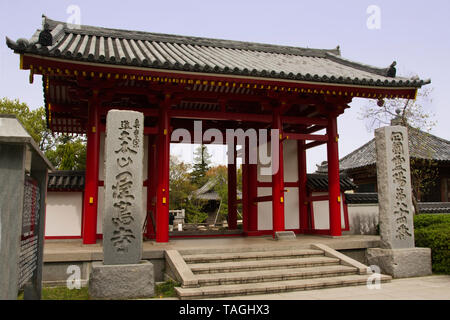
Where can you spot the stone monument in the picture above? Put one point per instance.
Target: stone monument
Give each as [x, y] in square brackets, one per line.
[123, 274]
[397, 256]
[23, 170]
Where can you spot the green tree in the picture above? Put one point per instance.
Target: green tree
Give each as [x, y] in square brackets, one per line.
[220, 175]
[180, 185]
[69, 153]
[202, 160]
[181, 192]
[64, 151]
[32, 120]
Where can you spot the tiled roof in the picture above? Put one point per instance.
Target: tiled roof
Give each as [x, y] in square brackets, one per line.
[194, 54]
[424, 207]
[434, 207]
[319, 182]
[422, 145]
[66, 181]
[365, 198]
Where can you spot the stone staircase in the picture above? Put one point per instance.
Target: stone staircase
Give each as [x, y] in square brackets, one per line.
[213, 274]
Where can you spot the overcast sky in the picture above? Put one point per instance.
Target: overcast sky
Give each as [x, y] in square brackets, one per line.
[416, 34]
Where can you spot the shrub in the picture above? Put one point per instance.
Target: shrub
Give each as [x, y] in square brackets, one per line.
[433, 231]
[425, 220]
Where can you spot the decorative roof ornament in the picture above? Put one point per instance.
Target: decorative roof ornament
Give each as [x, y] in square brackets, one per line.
[45, 37]
[392, 71]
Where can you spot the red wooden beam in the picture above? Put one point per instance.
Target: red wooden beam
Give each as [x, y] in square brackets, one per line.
[317, 198]
[217, 115]
[304, 120]
[146, 111]
[150, 130]
[314, 144]
[302, 136]
[263, 199]
[281, 86]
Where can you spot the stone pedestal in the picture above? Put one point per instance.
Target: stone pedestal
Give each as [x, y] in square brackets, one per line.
[285, 235]
[401, 263]
[125, 281]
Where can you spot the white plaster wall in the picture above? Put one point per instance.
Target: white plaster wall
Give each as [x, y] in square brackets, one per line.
[63, 214]
[265, 220]
[363, 218]
[291, 211]
[322, 213]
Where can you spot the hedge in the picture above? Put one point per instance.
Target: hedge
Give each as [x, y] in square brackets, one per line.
[433, 231]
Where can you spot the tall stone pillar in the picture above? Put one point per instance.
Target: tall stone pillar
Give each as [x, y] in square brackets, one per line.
[122, 273]
[397, 255]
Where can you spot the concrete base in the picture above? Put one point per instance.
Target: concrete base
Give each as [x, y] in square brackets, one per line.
[121, 281]
[401, 263]
[285, 235]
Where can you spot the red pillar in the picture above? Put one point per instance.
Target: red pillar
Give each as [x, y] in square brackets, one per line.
[232, 189]
[252, 194]
[302, 181]
[162, 198]
[334, 191]
[278, 179]
[245, 194]
[90, 201]
[152, 176]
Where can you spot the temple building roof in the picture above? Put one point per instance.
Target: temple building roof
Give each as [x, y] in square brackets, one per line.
[422, 145]
[203, 55]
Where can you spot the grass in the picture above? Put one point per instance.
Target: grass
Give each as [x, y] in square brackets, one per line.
[162, 290]
[62, 293]
[166, 289]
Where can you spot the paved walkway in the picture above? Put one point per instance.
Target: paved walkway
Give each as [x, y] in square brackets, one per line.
[436, 287]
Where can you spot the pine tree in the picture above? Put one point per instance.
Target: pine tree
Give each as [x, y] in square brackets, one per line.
[202, 161]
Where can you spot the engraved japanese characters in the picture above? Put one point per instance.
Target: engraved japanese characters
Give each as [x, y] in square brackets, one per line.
[394, 187]
[123, 216]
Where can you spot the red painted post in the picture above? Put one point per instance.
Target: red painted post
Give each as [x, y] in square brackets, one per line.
[278, 178]
[162, 198]
[90, 201]
[152, 176]
[252, 194]
[232, 189]
[334, 191]
[302, 181]
[245, 194]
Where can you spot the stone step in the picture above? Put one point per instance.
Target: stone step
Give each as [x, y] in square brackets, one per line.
[214, 279]
[273, 287]
[221, 267]
[258, 255]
